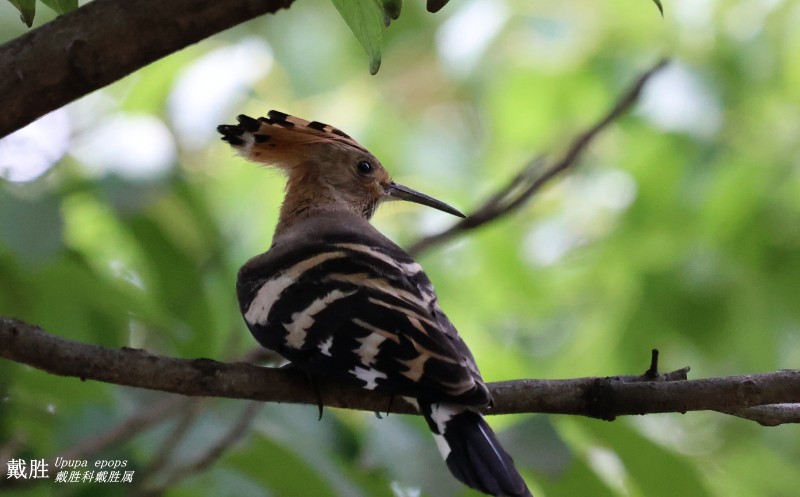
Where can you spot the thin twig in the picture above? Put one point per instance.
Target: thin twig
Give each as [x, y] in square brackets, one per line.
[210, 455]
[185, 422]
[137, 423]
[535, 174]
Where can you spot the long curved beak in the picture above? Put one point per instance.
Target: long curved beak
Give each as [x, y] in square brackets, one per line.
[401, 192]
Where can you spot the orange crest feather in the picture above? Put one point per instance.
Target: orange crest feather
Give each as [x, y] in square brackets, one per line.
[280, 138]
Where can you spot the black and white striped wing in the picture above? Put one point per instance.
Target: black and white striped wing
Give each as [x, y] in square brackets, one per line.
[360, 313]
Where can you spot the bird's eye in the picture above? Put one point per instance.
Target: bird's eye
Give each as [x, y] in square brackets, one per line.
[364, 167]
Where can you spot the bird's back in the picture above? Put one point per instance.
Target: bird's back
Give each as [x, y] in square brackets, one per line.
[337, 298]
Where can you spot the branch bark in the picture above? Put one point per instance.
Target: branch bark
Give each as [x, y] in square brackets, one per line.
[102, 42]
[604, 398]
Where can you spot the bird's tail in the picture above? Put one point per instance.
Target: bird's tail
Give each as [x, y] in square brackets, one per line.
[472, 452]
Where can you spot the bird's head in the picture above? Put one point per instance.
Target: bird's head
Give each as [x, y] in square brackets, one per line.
[321, 162]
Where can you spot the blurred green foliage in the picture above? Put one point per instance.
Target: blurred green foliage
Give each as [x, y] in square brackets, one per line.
[679, 231]
[27, 8]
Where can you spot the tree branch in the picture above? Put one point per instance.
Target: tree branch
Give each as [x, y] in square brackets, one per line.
[169, 443]
[768, 415]
[102, 42]
[209, 456]
[146, 418]
[536, 173]
[603, 398]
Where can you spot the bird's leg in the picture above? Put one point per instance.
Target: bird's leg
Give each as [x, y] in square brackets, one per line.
[311, 381]
[388, 408]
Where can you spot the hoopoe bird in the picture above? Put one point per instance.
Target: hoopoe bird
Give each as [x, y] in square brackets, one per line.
[339, 300]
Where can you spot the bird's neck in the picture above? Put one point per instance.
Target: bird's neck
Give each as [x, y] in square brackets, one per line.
[306, 199]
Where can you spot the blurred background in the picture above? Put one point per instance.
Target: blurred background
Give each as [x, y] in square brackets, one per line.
[123, 221]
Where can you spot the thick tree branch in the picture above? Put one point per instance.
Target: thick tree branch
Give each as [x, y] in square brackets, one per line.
[537, 172]
[102, 42]
[603, 398]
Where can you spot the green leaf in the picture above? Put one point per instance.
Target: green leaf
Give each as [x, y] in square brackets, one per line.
[27, 10]
[61, 7]
[365, 20]
[660, 7]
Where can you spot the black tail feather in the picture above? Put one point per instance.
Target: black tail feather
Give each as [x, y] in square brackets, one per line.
[472, 451]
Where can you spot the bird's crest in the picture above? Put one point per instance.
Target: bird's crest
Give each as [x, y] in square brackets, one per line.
[281, 139]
